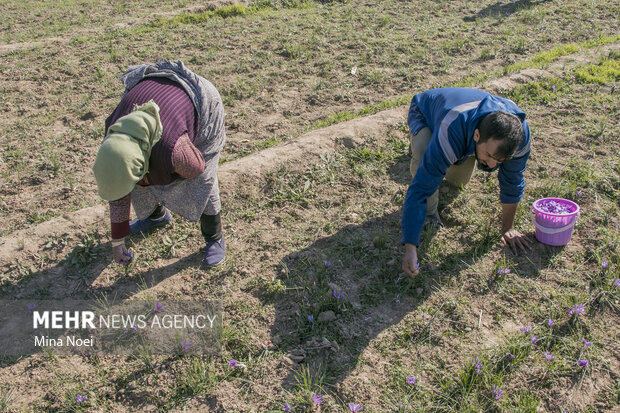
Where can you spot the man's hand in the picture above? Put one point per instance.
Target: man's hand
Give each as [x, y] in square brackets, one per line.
[410, 261]
[121, 255]
[515, 240]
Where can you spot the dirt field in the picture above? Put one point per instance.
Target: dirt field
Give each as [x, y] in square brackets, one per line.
[314, 174]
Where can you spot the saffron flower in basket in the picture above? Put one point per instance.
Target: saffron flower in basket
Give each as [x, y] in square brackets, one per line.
[554, 207]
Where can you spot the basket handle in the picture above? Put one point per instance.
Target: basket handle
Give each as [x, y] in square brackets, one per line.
[551, 231]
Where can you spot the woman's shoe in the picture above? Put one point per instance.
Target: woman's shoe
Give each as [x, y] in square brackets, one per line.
[143, 225]
[215, 252]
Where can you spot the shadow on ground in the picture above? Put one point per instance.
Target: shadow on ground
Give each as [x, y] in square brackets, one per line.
[502, 9]
[346, 289]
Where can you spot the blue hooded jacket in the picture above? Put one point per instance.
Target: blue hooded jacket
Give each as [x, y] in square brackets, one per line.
[452, 115]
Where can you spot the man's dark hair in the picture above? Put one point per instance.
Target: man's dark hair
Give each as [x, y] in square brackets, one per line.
[504, 127]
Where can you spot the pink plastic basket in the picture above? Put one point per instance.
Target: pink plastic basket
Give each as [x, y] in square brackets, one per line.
[554, 229]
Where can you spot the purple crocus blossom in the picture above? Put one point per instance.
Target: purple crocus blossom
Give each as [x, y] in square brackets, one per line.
[497, 393]
[553, 88]
[550, 323]
[80, 398]
[503, 271]
[233, 363]
[549, 356]
[477, 365]
[580, 193]
[617, 283]
[613, 88]
[582, 363]
[337, 294]
[534, 338]
[186, 345]
[327, 263]
[316, 398]
[311, 319]
[604, 264]
[354, 407]
[411, 380]
[510, 356]
[525, 329]
[158, 307]
[586, 343]
[577, 309]
[287, 407]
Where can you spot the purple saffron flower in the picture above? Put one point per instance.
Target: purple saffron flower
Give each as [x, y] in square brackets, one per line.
[554, 207]
[580, 193]
[497, 393]
[549, 356]
[550, 323]
[582, 363]
[337, 294]
[613, 88]
[604, 264]
[411, 380]
[503, 271]
[586, 343]
[134, 328]
[577, 309]
[553, 88]
[186, 345]
[525, 329]
[158, 307]
[327, 263]
[316, 398]
[510, 356]
[80, 398]
[534, 339]
[617, 283]
[125, 330]
[287, 407]
[311, 319]
[477, 365]
[234, 363]
[354, 407]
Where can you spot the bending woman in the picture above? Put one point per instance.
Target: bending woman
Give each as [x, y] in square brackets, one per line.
[160, 154]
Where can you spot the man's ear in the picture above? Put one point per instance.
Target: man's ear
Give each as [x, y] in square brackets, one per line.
[476, 135]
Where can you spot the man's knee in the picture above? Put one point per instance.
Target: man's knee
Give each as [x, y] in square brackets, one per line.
[459, 175]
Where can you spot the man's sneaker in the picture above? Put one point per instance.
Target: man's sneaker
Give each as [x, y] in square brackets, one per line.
[215, 252]
[143, 225]
[433, 222]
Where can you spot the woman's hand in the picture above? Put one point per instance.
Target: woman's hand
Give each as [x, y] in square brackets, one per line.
[121, 255]
[410, 261]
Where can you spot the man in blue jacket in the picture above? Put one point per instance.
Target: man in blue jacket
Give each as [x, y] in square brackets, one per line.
[452, 129]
